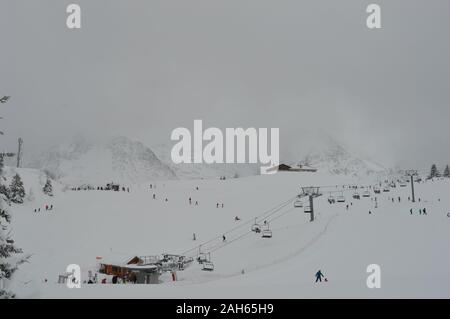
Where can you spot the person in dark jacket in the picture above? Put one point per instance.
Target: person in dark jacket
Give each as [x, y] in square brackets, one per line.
[319, 276]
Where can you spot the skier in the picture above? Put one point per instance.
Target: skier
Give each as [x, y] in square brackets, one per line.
[410, 211]
[154, 196]
[194, 237]
[319, 276]
[190, 201]
[35, 210]
[166, 200]
[347, 206]
[46, 207]
[196, 203]
[399, 199]
[370, 212]
[224, 238]
[51, 207]
[217, 205]
[236, 219]
[420, 212]
[222, 205]
[424, 211]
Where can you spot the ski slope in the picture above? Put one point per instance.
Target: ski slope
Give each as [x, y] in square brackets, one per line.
[411, 249]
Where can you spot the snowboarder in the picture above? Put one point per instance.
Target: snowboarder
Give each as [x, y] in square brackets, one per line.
[319, 276]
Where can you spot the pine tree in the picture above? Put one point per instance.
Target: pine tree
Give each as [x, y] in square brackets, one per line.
[9, 261]
[16, 190]
[48, 188]
[434, 172]
[447, 171]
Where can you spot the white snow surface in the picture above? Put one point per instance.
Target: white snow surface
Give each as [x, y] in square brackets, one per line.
[412, 250]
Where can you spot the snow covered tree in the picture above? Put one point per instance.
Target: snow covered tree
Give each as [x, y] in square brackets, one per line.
[16, 190]
[434, 172]
[447, 171]
[9, 254]
[48, 189]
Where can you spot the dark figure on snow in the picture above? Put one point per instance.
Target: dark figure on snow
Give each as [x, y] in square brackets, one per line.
[392, 199]
[217, 205]
[196, 203]
[46, 207]
[410, 211]
[51, 207]
[370, 212]
[224, 238]
[35, 210]
[347, 206]
[222, 205]
[194, 237]
[424, 211]
[190, 201]
[236, 219]
[399, 199]
[319, 276]
[420, 212]
[167, 200]
[154, 196]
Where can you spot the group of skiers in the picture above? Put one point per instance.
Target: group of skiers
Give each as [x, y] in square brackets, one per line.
[47, 208]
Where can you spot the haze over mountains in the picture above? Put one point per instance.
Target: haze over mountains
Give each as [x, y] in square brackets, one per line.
[120, 159]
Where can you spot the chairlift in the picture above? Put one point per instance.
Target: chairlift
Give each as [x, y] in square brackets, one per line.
[366, 193]
[208, 264]
[202, 258]
[256, 227]
[356, 195]
[341, 198]
[298, 203]
[267, 233]
[331, 199]
[307, 209]
[403, 184]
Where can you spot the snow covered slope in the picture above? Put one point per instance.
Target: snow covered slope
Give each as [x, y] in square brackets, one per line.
[118, 159]
[341, 242]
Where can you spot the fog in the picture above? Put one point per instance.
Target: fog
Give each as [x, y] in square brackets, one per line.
[143, 68]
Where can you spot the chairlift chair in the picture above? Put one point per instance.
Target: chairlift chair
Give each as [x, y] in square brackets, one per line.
[331, 199]
[366, 194]
[341, 199]
[256, 227]
[356, 195]
[202, 258]
[386, 189]
[376, 190]
[298, 203]
[267, 233]
[208, 264]
[307, 209]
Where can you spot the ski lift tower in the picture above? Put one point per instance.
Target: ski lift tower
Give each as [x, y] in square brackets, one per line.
[312, 192]
[411, 173]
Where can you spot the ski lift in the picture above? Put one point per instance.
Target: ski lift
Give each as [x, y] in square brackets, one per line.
[256, 227]
[341, 198]
[208, 265]
[298, 203]
[331, 199]
[307, 209]
[202, 258]
[267, 233]
[366, 194]
[402, 184]
[356, 195]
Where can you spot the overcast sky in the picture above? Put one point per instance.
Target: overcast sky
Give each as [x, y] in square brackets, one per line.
[143, 68]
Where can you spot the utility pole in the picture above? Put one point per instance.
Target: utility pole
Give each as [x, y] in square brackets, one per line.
[19, 152]
[411, 173]
[311, 192]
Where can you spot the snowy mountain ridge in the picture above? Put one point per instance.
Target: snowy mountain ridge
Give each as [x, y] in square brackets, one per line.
[118, 159]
